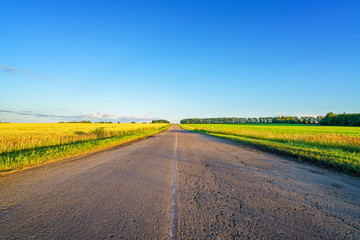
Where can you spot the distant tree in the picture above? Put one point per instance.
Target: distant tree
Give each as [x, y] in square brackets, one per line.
[77, 122]
[160, 121]
[343, 119]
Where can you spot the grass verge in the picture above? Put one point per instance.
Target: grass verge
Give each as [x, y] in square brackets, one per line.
[328, 156]
[31, 157]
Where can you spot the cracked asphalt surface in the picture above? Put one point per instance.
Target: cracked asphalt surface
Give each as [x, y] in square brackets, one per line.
[223, 191]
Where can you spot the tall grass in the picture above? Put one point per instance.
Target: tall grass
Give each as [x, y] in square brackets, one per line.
[337, 147]
[23, 145]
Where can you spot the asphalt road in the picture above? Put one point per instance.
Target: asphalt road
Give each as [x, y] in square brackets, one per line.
[179, 185]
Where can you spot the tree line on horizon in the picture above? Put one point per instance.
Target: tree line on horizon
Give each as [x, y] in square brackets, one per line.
[330, 119]
[86, 122]
[153, 121]
[235, 120]
[344, 119]
[160, 121]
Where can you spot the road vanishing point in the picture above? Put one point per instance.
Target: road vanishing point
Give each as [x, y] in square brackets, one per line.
[179, 185]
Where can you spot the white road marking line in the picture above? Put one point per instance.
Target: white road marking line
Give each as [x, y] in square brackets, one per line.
[174, 202]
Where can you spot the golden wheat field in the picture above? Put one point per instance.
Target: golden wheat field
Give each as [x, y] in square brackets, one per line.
[23, 144]
[20, 136]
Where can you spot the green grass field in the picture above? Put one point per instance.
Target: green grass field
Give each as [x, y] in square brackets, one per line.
[29, 144]
[335, 147]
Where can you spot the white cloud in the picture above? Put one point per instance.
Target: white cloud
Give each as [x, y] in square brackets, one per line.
[139, 117]
[100, 115]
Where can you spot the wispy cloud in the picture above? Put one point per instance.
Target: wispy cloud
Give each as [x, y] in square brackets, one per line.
[40, 115]
[8, 69]
[13, 70]
[30, 74]
[90, 116]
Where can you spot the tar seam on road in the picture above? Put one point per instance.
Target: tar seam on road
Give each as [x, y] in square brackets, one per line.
[174, 203]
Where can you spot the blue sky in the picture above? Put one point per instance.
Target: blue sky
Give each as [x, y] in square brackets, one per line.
[142, 60]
